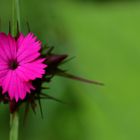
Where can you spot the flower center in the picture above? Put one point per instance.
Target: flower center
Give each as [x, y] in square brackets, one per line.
[13, 64]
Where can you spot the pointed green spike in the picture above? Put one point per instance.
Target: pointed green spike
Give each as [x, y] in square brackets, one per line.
[46, 96]
[0, 24]
[73, 77]
[10, 27]
[28, 27]
[26, 112]
[40, 107]
[33, 106]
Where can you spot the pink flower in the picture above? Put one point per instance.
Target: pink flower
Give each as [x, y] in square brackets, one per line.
[19, 64]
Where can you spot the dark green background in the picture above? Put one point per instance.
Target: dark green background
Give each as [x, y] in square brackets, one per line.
[105, 38]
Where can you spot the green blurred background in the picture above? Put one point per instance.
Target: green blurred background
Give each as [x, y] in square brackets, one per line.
[104, 37]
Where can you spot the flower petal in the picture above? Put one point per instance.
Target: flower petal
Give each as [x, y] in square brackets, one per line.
[27, 47]
[16, 88]
[7, 47]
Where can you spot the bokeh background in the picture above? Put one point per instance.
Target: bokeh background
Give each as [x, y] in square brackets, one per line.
[104, 38]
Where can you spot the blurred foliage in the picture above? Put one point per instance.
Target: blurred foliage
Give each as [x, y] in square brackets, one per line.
[106, 1]
[105, 40]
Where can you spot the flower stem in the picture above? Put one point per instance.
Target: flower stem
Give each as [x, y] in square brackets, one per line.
[15, 27]
[15, 17]
[14, 124]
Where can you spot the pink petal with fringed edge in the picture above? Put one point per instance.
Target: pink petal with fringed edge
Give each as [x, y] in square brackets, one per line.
[29, 44]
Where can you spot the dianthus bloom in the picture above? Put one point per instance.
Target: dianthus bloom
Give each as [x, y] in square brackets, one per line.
[20, 64]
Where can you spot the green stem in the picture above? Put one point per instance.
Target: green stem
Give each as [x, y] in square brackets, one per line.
[14, 124]
[14, 117]
[15, 17]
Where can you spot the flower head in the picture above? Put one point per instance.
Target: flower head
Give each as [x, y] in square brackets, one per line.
[20, 64]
